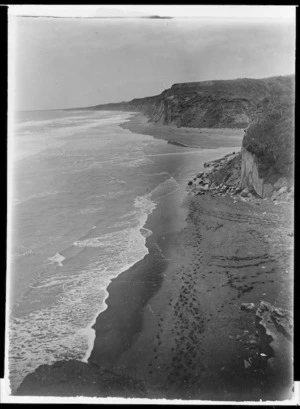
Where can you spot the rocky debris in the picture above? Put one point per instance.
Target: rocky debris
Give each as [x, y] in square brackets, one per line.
[280, 183]
[274, 320]
[283, 194]
[223, 177]
[271, 345]
[75, 378]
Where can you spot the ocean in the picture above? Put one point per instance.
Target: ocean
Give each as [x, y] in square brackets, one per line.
[82, 188]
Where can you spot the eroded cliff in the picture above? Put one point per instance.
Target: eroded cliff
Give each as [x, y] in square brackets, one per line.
[268, 145]
[208, 104]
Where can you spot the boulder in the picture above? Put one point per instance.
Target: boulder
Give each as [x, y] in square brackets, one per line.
[245, 192]
[281, 182]
[282, 190]
[275, 331]
[247, 306]
[190, 182]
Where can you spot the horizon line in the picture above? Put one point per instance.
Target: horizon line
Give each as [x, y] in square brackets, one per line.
[124, 102]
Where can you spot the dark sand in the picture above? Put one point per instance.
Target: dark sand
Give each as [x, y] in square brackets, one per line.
[174, 321]
[195, 137]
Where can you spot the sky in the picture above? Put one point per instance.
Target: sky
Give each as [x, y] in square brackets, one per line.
[75, 62]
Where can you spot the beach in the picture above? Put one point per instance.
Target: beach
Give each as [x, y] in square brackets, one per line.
[174, 320]
[150, 223]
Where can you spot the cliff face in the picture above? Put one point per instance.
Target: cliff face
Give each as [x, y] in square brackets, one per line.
[268, 145]
[264, 106]
[207, 104]
[250, 175]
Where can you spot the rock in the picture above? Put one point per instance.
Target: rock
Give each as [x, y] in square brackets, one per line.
[205, 187]
[281, 182]
[190, 182]
[247, 364]
[247, 306]
[282, 190]
[245, 192]
[275, 331]
[200, 174]
[205, 180]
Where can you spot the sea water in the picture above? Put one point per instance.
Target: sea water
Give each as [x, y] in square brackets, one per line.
[82, 189]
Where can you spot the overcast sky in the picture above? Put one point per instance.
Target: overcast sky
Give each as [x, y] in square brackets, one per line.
[65, 62]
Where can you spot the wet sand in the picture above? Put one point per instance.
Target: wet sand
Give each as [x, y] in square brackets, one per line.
[195, 338]
[194, 137]
[174, 321]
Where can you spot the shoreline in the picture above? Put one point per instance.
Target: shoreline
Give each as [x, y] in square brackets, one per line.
[144, 322]
[138, 123]
[173, 319]
[118, 325]
[185, 136]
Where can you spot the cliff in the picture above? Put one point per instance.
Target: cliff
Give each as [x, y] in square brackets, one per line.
[208, 104]
[267, 152]
[264, 106]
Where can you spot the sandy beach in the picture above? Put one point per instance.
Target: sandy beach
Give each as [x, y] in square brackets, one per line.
[175, 326]
[174, 320]
[195, 137]
[150, 224]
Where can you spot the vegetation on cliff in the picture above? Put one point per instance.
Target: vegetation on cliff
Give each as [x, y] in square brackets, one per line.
[209, 104]
[264, 106]
[271, 135]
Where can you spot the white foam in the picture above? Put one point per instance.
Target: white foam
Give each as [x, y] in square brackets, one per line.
[35, 196]
[90, 210]
[25, 253]
[57, 258]
[165, 188]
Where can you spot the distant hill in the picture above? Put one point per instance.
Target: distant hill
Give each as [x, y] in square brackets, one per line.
[209, 104]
